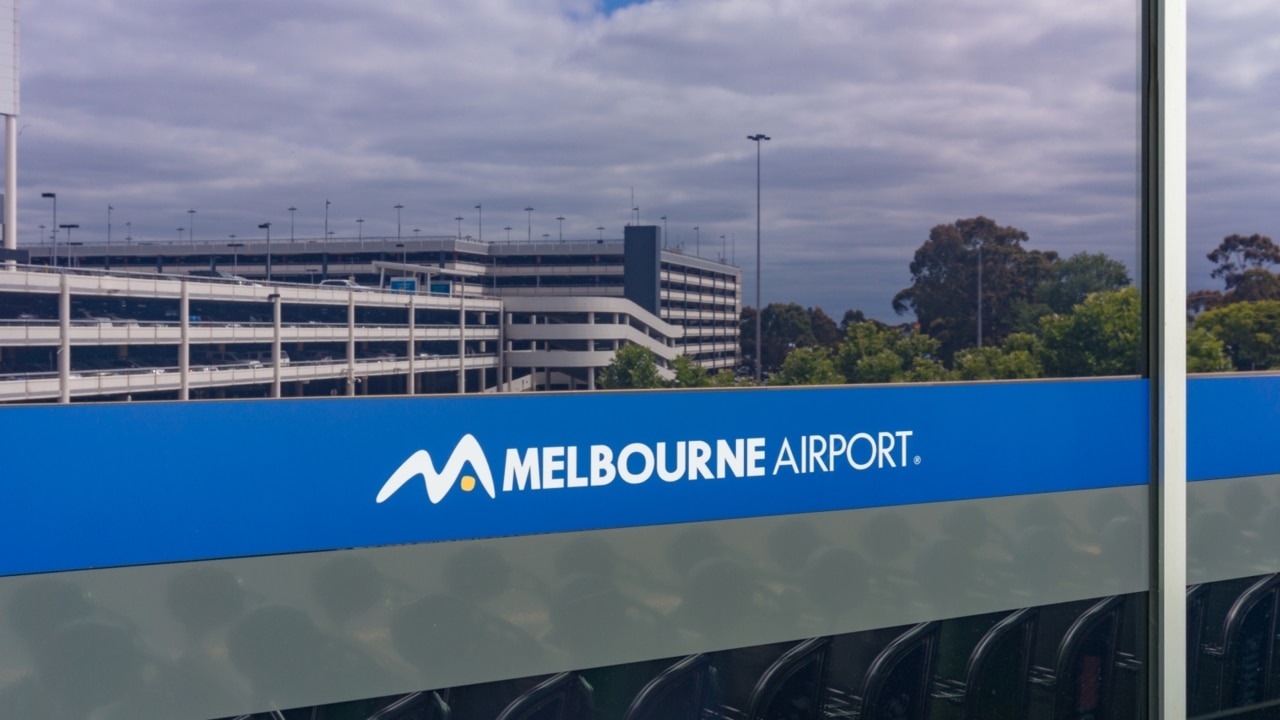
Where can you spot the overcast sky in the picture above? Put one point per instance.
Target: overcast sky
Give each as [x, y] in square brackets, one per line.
[887, 118]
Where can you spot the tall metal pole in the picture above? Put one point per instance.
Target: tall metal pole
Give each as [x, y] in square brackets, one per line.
[109, 209]
[399, 207]
[459, 219]
[530, 211]
[54, 227]
[326, 219]
[293, 210]
[360, 225]
[561, 219]
[664, 231]
[191, 226]
[757, 138]
[480, 212]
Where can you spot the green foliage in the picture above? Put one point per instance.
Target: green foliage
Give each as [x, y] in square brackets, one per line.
[1098, 337]
[807, 366]
[1249, 331]
[689, 374]
[1237, 254]
[1072, 280]
[944, 282]
[727, 378]
[1205, 352]
[633, 366]
[1018, 358]
[825, 331]
[874, 353]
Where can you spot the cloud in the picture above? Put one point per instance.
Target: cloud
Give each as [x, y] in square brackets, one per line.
[887, 118]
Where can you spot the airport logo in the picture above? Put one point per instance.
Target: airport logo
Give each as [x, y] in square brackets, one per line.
[467, 451]
[568, 466]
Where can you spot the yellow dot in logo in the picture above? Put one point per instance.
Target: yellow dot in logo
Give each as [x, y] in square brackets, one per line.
[468, 483]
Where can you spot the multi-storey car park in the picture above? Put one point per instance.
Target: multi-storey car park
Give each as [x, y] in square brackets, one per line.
[148, 321]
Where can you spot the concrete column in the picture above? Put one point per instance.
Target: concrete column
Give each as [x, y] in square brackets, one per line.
[275, 345]
[64, 346]
[484, 346]
[591, 378]
[184, 343]
[409, 381]
[351, 343]
[503, 347]
[462, 344]
[10, 184]
[591, 317]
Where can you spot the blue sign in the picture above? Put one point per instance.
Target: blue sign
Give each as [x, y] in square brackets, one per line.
[1233, 426]
[108, 485]
[404, 285]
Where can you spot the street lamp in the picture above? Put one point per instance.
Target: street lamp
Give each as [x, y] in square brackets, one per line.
[360, 226]
[267, 226]
[530, 211]
[697, 239]
[191, 229]
[561, 219]
[415, 233]
[724, 249]
[508, 229]
[664, 231]
[109, 209]
[292, 210]
[480, 223]
[180, 231]
[636, 210]
[128, 237]
[326, 219]
[758, 139]
[404, 258]
[601, 229]
[235, 255]
[71, 246]
[459, 219]
[54, 227]
[41, 235]
[399, 207]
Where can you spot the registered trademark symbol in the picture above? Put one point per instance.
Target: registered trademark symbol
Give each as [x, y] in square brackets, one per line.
[917, 459]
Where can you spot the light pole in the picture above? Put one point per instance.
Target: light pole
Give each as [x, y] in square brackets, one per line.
[415, 233]
[697, 238]
[724, 249]
[601, 229]
[480, 223]
[41, 235]
[508, 229]
[180, 231]
[360, 226]
[664, 230]
[128, 229]
[267, 226]
[235, 255]
[561, 219]
[109, 209]
[459, 219]
[404, 258]
[54, 227]
[399, 207]
[326, 219]
[758, 139]
[292, 210]
[636, 210]
[71, 248]
[530, 211]
[191, 229]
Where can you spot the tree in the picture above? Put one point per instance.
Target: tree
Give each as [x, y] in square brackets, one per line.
[825, 331]
[1205, 352]
[1249, 331]
[874, 353]
[1237, 254]
[785, 327]
[944, 282]
[1017, 358]
[689, 374]
[807, 366]
[1098, 337]
[633, 366]
[850, 317]
[1070, 281]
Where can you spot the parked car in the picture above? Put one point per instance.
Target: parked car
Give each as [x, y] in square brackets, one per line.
[220, 275]
[335, 283]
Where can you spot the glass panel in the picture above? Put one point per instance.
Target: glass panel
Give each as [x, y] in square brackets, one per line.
[1071, 660]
